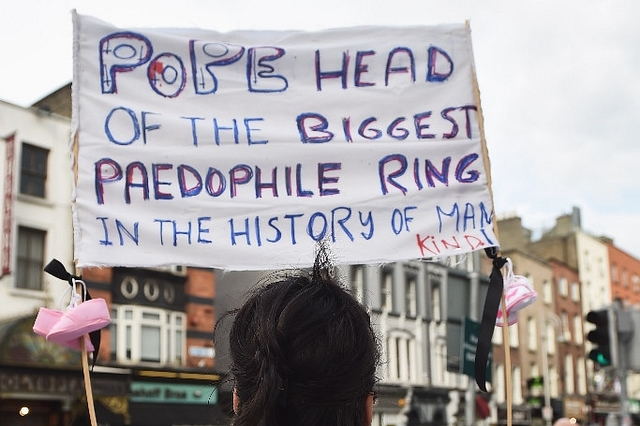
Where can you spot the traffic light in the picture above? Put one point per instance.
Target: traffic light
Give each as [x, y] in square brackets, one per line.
[603, 336]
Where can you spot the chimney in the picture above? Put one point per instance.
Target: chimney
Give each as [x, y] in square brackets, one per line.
[576, 222]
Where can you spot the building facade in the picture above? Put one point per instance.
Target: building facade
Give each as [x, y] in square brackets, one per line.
[160, 340]
[549, 354]
[567, 293]
[418, 309]
[625, 275]
[589, 273]
[155, 364]
[36, 188]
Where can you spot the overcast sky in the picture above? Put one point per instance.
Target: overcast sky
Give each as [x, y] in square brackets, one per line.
[559, 83]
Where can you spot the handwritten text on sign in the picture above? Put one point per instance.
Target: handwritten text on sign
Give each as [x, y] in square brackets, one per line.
[241, 150]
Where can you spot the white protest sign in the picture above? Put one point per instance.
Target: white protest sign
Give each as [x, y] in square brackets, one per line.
[241, 150]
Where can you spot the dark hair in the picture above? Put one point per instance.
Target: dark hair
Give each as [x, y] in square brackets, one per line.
[303, 352]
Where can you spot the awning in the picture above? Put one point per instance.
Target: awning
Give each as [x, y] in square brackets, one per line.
[21, 346]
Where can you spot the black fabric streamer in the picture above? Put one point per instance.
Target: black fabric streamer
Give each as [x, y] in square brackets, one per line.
[57, 269]
[489, 314]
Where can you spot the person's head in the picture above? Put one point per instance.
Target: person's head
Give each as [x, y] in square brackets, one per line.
[303, 352]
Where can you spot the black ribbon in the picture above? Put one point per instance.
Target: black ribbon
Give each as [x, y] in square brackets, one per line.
[57, 269]
[489, 315]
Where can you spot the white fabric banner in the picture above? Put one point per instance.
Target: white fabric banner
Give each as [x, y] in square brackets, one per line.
[241, 150]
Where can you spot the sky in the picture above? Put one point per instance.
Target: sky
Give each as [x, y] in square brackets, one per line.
[559, 84]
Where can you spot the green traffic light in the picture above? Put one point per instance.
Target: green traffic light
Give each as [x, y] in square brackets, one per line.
[598, 356]
[602, 360]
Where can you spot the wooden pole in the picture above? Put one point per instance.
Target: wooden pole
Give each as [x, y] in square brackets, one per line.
[507, 361]
[87, 382]
[487, 166]
[83, 345]
[87, 379]
[483, 139]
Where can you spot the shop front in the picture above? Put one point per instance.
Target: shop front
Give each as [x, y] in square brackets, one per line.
[42, 384]
[164, 402]
[39, 381]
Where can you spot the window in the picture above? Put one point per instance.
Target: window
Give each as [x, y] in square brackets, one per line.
[550, 335]
[569, 386]
[30, 258]
[577, 329]
[147, 335]
[500, 383]
[516, 375]
[575, 291]
[534, 370]
[564, 324]
[546, 292]
[563, 287]
[587, 260]
[514, 340]
[411, 303]
[435, 302]
[401, 349]
[582, 378]
[614, 273]
[357, 277]
[553, 376]
[497, 335]
[386, 300]
[33, 170]
[392, 359]
[532, 335]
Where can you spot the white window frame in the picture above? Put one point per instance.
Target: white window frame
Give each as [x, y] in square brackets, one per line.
[357, 278]
[402, 358]
[386, 291]
[546, 292]
[563, 286]
[575, 291]
[532, 334]
[514, 336]
[577, 329]
[411, 291]
[436, 307]
[127, 322]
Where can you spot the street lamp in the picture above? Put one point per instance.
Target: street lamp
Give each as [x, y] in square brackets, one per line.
[547, 411]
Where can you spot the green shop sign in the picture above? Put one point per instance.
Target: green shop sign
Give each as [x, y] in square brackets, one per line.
[471, 329]
[169, 393]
